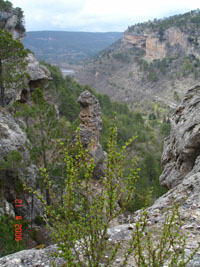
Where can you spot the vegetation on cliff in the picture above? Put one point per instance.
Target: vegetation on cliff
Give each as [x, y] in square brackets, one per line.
[184, 21]
[12, 64]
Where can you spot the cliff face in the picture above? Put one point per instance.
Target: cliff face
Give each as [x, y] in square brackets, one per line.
[173, 42]
[12, 136]
[37, 75]
[8, 21]
[182, 147]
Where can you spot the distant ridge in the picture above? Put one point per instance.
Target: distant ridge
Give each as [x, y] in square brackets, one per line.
[155, 63]
[62, 47]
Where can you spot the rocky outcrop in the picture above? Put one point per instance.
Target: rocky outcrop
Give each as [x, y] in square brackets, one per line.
[90, 129]
[11, 135]
[130, 40]
[35, 70]
[37, 76]
[182, 147]
[13, 138]
[8, 21]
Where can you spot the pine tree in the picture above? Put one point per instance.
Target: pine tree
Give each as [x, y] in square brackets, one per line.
[43, 128]
[12, 64]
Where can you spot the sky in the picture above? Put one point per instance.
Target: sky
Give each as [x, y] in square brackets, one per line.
[97, 15]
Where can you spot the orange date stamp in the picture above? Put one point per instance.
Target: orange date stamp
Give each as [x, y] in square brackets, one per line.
[18, 227]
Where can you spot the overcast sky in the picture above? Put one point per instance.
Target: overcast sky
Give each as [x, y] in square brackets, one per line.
[97, 15]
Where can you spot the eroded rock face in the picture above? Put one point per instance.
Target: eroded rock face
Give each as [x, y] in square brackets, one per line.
[37, 76]
[11, 135]
[90, 129]
[35, 70]
[8, 21]
[12, 138]
[182, 147]
[173, 43]
[155, 49]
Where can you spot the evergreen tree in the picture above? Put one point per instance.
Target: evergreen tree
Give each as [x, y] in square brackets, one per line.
[43, 128]
[12, 64]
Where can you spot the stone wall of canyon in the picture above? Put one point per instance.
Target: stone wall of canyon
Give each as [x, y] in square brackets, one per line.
[174, 42]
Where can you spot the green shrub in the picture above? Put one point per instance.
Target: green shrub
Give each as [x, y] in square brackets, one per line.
[80, 225]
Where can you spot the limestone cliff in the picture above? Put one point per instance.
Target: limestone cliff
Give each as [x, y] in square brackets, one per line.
[12, 135]
[37, 75]
[182, 147]
[9, 21]
[173, 42]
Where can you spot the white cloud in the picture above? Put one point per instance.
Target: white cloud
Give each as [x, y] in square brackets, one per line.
[97, 15]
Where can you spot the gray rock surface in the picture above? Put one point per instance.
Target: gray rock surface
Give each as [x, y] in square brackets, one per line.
[13, 138]
[37, 73]
[11, 135]
[90, 129]
[37, 76]
[182, 147]
[8, 21]
[32, 258]
[35, 70]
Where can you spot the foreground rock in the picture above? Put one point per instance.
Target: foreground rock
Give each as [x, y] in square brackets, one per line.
[32, 257]
[182, 147]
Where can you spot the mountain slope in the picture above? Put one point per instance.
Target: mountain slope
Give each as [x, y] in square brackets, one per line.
[155, 62]
[68, 47]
